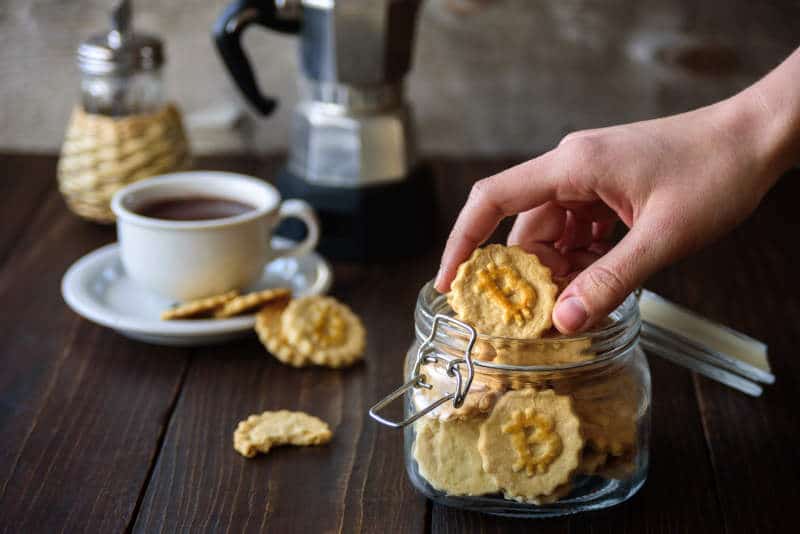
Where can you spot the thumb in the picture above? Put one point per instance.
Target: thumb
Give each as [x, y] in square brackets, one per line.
[602, 286]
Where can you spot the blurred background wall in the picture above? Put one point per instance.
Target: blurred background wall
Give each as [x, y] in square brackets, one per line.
[490, 76]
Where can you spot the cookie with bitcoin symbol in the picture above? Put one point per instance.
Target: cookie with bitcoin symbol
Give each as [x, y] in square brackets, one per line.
[324, 330]
[531, 443]
[504, 291]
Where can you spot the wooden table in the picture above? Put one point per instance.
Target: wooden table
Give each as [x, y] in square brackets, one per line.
[104, 434]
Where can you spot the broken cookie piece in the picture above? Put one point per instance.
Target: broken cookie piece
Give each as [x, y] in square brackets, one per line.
[261, 432]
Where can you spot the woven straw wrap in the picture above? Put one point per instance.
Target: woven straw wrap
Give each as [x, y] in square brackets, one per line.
[102, 154]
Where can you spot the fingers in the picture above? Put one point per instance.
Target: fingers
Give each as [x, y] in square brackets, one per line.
[543, 224]
[510, 192]
[605, 283]
[552, 225]
[602, 231]
[577, 234]
[550, 257]
[591, 211]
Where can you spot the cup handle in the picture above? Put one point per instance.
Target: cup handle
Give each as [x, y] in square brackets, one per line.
[300, 209]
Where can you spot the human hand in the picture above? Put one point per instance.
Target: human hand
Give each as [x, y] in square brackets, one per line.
[676, 183]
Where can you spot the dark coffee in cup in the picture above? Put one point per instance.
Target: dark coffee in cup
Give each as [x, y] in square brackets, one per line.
[194, 234]
[194, 208]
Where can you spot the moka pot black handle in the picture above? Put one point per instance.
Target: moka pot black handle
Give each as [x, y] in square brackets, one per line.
[227, 32]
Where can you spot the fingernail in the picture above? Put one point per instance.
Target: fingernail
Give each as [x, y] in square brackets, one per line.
[438, 279]
[570, 314]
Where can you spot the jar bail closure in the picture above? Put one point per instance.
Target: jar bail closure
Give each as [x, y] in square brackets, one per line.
[426, 354]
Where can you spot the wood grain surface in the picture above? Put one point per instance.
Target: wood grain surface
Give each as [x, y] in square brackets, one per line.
[104, 434]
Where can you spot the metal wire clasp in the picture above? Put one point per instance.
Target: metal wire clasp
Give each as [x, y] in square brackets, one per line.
[427, 354]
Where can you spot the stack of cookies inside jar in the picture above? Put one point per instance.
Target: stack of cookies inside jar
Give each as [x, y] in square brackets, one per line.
[549, 422]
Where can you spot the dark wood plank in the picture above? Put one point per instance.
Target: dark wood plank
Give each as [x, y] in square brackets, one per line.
[84, 409]
[750, 282]
[24, 180]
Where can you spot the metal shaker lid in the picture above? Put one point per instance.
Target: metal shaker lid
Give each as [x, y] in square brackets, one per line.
[120, 51]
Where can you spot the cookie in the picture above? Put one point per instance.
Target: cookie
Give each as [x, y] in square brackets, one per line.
[559, 493]
[268, 328]
[252, 301]
[608, 408]
[484, 350]
[447, 456]
[504, 291]
[531, 443]
[324, 330]
[261, 432]
[607, 425]
[544, 352]
[619, 467]
[591, 461]
[198, 308]
[479, 401]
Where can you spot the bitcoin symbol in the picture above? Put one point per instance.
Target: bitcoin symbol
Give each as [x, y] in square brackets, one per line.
[537, 450]
[328, 327]
[509, 291]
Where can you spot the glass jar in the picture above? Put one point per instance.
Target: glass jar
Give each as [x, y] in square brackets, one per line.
[121, 69]
[117, 95]
[495, 425]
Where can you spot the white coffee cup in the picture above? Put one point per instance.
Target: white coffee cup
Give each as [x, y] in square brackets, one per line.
[186, 260]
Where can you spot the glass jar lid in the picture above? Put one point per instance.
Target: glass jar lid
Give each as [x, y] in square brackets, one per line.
[120, 50]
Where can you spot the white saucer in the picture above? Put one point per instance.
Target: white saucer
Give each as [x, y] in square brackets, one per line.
[97, 288]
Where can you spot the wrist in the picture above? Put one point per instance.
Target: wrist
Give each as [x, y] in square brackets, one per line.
[766, 116]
